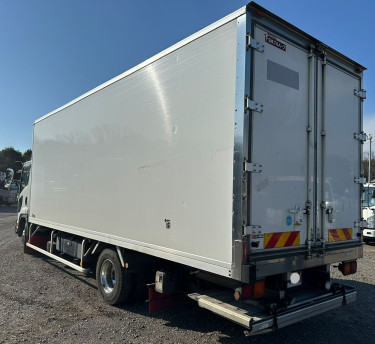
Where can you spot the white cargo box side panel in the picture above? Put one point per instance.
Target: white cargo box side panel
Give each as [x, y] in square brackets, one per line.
[147, 161]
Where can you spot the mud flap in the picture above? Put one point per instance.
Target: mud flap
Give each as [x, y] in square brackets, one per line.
[158, 302]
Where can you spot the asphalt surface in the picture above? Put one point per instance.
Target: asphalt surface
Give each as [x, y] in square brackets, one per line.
[43, 301]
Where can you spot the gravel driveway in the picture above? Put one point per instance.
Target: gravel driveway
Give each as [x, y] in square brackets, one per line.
[42, 301]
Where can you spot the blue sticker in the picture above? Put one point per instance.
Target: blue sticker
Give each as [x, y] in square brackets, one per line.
[289, 220]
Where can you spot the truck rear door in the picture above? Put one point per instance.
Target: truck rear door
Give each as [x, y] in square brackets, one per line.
[339, 150]
[279, 143]
[304, 156]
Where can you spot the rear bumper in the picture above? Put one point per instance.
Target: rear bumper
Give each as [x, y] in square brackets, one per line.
[272, 263]
[251, 316]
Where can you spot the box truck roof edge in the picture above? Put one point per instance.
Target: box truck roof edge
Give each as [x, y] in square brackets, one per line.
[259, 10]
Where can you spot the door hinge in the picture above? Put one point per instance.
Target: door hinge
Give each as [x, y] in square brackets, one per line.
[360, 94]
[252, 43]
[252, 105]
[360, 224]
[307, 208]
[360, 180]
[362, 137]
[252, 167]
[253, 229]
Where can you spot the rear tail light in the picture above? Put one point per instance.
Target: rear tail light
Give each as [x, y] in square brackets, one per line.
[250, 291]
[259, 288]
[348, 268]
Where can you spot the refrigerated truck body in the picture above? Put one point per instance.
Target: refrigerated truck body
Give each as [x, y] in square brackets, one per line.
[232, 157]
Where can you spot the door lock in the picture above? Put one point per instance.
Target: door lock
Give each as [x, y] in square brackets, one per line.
[331, 214]
[298, 215]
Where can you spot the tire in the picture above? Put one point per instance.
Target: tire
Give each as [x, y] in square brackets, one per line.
[114, 282]
[24, 239]
[21, 226]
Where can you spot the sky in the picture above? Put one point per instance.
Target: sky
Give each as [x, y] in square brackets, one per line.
[51, 52]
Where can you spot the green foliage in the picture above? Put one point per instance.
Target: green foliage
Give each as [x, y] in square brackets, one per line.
[26, 156]
[11, 158]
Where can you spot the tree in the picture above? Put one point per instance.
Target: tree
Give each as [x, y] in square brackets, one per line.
[9, 157]
[26, 156]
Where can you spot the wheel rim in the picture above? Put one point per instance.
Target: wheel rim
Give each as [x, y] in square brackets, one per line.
[107, 276]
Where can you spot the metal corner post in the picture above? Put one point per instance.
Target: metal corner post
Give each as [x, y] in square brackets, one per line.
[360, 151]
[241, 130]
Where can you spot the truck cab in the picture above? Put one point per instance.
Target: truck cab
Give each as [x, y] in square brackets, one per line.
[23, 199]
[9, 188]
[368, 205]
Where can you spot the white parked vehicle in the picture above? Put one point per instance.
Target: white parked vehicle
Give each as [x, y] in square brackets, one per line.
[368, 204]
[9, 188]
[229, 161]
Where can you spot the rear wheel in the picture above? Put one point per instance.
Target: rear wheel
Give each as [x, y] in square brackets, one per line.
[114, 282]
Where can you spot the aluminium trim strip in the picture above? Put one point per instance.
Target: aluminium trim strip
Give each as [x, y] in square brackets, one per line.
[239, 149]
[156, 57]
[59, 259]
[224, 311]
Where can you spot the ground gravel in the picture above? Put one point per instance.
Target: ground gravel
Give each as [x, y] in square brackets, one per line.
[42, 301]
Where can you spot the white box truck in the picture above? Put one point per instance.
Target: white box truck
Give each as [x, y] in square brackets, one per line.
[227, 167]
[368, 205]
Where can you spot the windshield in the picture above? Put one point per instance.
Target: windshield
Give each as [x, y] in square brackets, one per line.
[25, 175]
[367, 200]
